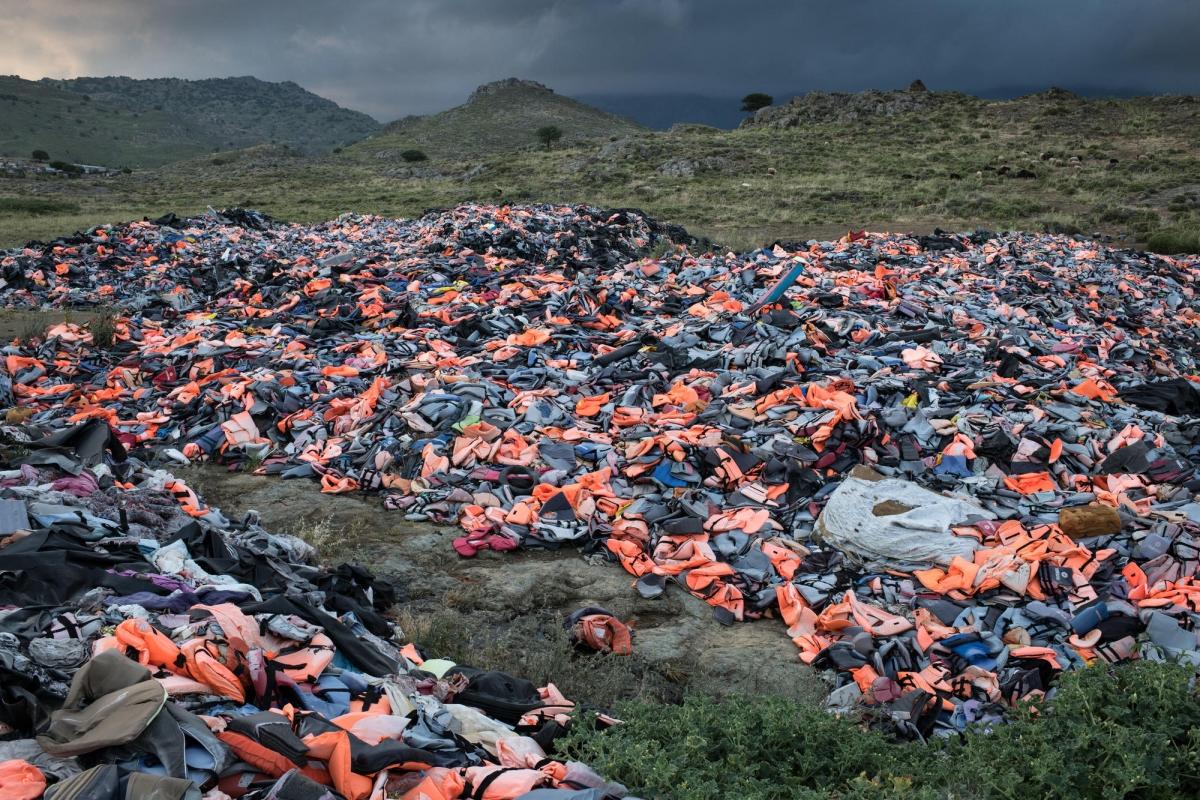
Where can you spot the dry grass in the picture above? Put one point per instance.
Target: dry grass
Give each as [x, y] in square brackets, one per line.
[535, 646]
[103, 328]
[1112, 167]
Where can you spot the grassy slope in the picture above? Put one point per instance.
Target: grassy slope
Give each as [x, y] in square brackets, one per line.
[237, 112]
[901, 172]
[127, 122]
[70, 128]
[498, 117]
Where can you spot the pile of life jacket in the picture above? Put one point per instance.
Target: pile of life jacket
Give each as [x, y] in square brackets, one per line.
[150, 652]
[532, 375]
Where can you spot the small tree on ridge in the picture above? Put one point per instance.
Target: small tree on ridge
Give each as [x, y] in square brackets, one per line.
[549, 134]
[756, 100]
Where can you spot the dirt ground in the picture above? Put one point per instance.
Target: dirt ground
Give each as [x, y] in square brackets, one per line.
[23, 324]
[515, 595]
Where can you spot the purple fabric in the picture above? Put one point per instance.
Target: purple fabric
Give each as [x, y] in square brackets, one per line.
[180, 601]
[214, 597]
[168, 582]
[81, 485]
[29, 476]
[176, 602]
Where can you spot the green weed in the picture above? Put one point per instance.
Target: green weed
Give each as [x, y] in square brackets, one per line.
[1126, 732]
[104, 329]
[1171, 241]
[537, 647]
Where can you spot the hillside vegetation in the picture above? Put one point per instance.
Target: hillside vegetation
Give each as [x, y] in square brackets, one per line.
[146, 123]
[1127, 168]
[497, 117]
[74, 127]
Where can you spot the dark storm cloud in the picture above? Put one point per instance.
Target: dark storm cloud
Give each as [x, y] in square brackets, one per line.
[395, 58]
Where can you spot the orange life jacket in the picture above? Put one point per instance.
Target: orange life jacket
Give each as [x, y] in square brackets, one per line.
[149, 646]
[203, 662]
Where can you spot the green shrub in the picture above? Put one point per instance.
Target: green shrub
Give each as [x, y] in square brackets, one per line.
[756, 100]
[104, 329]
[41, 155]
[66, 166]
[1174, 240]
[1130, 731]
[1126, 732]
[36, 205]
[1120, 214]
[1060, 226]
[413, 155]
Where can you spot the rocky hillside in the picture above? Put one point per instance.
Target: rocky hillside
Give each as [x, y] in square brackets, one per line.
[844, 107]
[143, 123]
[72, 127]
[497, 117]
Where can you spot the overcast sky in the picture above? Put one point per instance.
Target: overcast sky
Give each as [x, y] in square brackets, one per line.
[396, 57]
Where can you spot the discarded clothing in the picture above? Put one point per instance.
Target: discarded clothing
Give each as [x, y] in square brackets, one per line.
[532, 375]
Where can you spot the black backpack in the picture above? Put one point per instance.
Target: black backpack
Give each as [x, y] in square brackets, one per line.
[498, 694]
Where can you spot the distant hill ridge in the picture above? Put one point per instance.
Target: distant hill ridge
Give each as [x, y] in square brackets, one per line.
[498, 116]
[123, 121]
[845, 107]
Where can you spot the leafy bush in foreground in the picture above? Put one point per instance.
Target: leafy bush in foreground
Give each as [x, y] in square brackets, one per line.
[1132, 731]
[1171, 241]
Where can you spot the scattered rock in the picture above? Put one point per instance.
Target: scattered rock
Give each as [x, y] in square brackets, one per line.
[500, 86]
[473, 172]
[688, 167]
[1059, 93]
[693, 127]
[431, 173]
[623, 149]
[817, 107]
